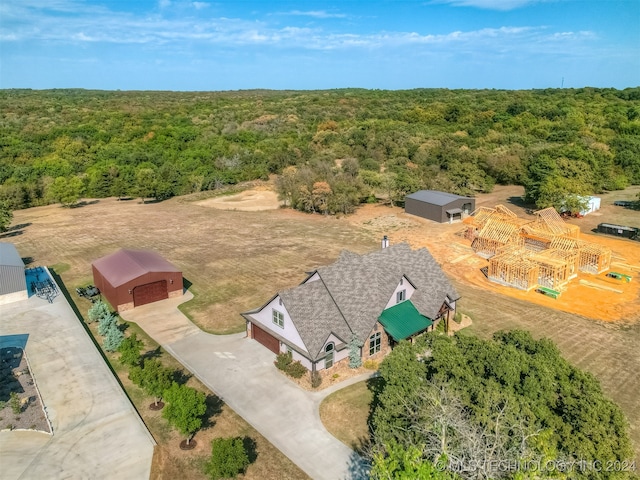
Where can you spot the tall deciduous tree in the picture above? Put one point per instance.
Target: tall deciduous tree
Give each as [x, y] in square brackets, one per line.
[6, 215]
[66, 191]
[486, 403]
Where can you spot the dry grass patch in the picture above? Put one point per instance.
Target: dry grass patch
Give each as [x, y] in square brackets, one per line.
[345, 413]
[237, 260]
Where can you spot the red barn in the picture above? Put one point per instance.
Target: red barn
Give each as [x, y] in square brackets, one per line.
[130, 278]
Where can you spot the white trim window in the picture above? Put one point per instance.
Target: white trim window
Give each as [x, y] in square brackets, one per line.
[375, 343]
[401, 296]
[278, 318]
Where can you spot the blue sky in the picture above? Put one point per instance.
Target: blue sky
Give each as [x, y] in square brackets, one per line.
[392, 44]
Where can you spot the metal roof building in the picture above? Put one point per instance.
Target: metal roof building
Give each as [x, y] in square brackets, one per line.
[438, 206]
[13, 283]
[130, 278]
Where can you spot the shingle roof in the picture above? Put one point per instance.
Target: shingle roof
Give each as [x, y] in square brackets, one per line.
[9, 255]
[316, 315]
[352, 293]
[435, 197]
[126, 265]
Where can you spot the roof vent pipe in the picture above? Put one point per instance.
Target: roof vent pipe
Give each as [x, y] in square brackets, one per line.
[385, 242]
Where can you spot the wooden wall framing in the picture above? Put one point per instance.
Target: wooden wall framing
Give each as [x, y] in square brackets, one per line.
[525, 254]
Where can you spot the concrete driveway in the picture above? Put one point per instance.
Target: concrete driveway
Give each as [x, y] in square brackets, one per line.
[97, 433]
[241, 372]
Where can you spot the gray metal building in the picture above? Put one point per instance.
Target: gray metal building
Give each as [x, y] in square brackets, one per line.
[13, 283]
[440, 207]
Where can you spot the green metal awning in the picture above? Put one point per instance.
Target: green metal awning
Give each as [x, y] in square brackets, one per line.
[403, 320]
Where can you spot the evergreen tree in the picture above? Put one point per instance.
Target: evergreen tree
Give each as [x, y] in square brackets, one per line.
[97, 311]
[113, 338]
[106, 323]
[355, 360]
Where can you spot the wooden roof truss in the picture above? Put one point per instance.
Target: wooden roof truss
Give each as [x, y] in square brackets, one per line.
[545, 253]
[549, 220]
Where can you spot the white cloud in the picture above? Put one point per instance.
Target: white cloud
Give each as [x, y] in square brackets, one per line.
[96, 26]
[502, 5]
[316, 14]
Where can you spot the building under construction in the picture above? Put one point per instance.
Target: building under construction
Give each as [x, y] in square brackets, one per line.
[545, 252]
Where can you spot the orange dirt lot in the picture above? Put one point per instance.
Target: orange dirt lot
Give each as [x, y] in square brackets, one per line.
[457, 258]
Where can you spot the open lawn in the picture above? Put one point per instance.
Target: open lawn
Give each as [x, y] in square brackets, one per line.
[236, 260]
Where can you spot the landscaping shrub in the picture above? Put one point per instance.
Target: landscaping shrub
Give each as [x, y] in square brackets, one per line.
[14, 401]
[228, 458]
[283, 360]
[316, 379]
[370, 364]
[296, 369]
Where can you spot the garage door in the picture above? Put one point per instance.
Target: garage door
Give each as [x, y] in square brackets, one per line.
[151, 292]
[266, 339]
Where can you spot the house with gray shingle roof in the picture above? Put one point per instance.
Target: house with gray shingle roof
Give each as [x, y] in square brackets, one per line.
[379, 298]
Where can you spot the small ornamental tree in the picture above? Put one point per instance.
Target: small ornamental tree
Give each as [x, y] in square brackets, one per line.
[185, 408]
[135, 375]
[98, 311]
[106, 323]
[156, 379]
[355, 360]
[113, 339]
[130, 350]
[228, 458]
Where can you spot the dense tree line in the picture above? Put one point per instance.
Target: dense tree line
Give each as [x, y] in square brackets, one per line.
[510, 407]
[346, 146]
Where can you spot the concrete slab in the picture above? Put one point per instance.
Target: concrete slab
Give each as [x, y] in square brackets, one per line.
[97, 432]
[241, 372]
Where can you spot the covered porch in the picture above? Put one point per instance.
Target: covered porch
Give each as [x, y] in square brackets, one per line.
[404, 321]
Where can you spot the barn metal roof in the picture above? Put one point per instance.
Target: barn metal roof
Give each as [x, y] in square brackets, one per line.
[403, 320]
[126, 265]
[9, 255]
[435, 197]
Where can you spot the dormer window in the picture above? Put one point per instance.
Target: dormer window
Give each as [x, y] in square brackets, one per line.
[278, 318]
[401, 296]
